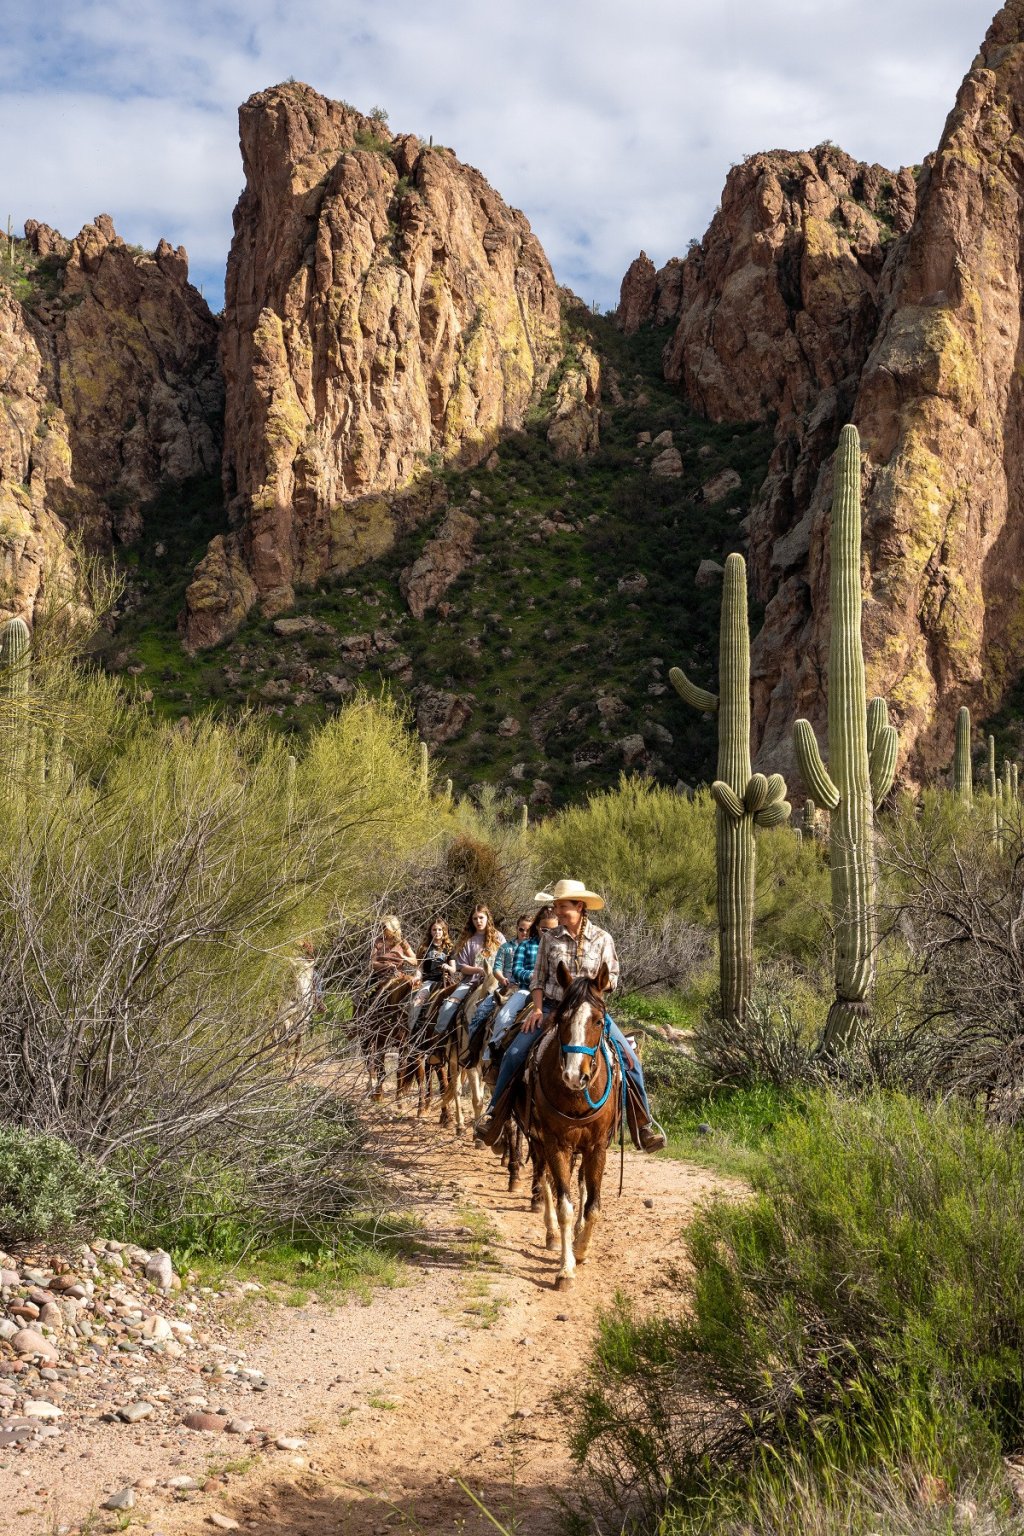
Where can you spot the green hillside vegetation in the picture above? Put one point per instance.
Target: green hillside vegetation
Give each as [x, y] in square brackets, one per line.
[537, 628]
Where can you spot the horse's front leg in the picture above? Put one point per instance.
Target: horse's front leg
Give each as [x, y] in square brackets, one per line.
[560, 1176]
[591, 1176]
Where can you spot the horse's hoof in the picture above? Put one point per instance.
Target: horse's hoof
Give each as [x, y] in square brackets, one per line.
[445, 1118]
[563, 1282]
[535, 1204]
[458, 1130]
[551, 1241]
[513, 1180]
[377, 1098]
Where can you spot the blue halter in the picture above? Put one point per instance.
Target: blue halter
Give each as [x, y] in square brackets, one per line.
[591, 1050]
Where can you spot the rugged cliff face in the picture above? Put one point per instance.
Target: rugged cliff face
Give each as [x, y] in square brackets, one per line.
[112, 389]
[384, 309]
[939, 408]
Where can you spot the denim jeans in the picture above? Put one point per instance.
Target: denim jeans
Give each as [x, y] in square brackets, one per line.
[446, 1012]
[507, 1015]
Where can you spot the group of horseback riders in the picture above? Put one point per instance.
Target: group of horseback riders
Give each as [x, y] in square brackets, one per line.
[560, 939]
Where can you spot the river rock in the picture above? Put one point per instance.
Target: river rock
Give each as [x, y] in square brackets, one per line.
[28, 1342]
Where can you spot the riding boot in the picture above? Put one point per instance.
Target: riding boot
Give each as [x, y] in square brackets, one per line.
[489, 1127]
[646, 1134]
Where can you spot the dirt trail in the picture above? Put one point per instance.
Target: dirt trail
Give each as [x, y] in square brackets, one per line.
[450, 1376]
[460, 1382]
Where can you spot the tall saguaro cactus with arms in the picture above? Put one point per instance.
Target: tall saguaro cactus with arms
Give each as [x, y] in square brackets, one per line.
[15, 663]
[743, 799]
[862, 747]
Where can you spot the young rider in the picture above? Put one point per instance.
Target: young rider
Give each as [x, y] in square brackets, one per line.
[434, 965]
[391, 953]
[479, 940]
[509, 970]
[524, 960]
[584, 948]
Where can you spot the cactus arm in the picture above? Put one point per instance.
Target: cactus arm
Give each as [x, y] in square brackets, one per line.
[700, 698]
[877, 720]
[726, 798]
[882, 763]
[812, 769]
[756, 794]
[773, 815]
[776, 788]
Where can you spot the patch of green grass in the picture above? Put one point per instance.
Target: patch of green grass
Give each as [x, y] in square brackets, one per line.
[728, 1129]
[360, 1256]
[378, 1400]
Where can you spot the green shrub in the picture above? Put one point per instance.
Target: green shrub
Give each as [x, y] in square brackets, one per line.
[50, 1191]
[864, 1310]
[643, 845]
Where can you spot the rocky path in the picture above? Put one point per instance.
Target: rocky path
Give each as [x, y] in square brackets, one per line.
[371, 1414]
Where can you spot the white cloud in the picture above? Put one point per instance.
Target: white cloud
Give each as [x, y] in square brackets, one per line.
[611, 130]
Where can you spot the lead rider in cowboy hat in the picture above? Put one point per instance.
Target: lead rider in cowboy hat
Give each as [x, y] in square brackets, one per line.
[583, 947]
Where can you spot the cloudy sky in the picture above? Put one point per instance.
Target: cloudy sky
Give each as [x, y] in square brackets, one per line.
[611, 125]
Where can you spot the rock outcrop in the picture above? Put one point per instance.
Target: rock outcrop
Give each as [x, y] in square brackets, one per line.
[385, 310]
[112, 390]
[941, 415]
[576, 417]
[442, 562]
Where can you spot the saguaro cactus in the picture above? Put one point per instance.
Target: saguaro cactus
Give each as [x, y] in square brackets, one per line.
[424, 766]
[14, 725]
[863, 747]
[743, 799]
[963, 772]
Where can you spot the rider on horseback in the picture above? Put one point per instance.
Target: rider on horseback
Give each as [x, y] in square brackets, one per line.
[391, 953]
[435, 966]
[480, 940]
[583, 948]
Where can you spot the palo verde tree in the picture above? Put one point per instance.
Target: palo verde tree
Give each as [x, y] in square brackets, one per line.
[863, 748]
[743, 799]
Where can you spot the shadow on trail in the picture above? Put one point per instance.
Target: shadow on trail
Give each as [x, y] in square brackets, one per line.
[427, 1502]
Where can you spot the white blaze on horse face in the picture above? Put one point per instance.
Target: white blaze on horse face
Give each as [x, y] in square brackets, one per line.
[575, 1062]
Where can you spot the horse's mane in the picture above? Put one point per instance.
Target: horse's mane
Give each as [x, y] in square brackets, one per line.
[581, 990]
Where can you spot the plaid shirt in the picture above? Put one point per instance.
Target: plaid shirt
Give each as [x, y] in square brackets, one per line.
[583, 956]
[522, 962]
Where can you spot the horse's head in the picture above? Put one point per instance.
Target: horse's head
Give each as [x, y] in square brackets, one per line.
[579, 1021]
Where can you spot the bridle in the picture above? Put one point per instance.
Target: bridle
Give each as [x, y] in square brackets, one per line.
[591, 1052]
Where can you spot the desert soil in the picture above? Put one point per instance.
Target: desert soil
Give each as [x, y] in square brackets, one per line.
[449, 1378]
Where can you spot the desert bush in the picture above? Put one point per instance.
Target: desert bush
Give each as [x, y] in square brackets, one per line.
[657, 953]
[955, 977]
[150, 915]
[49, 1191]
[653, 850]
[864, 1310]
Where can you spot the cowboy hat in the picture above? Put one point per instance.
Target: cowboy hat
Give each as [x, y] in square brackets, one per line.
[575, 890]
[543, 898]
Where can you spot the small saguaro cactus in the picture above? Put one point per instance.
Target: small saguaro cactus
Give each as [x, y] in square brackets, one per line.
[810, 817]
[863, 748]
[524, 817]
[995, 820]
[963, 772]
[424, 766]
[449, 790]
[743, 799]
[15, 667]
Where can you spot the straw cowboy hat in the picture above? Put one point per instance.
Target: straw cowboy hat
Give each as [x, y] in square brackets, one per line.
[571, 890]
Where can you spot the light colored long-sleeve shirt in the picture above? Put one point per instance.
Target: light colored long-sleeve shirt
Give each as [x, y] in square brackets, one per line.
[582, 955]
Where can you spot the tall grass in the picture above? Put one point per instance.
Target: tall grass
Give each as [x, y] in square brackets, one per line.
[862, 1314]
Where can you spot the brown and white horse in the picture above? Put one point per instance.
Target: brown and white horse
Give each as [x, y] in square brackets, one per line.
[571, 1104]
